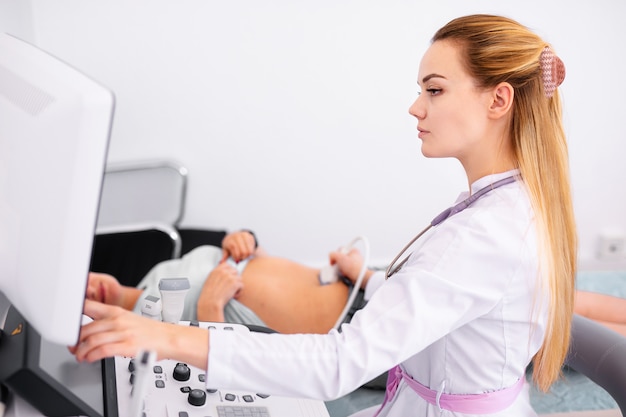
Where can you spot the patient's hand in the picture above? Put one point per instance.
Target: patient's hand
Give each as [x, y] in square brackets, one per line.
[104, 288]
[238, 245]
[222, 284]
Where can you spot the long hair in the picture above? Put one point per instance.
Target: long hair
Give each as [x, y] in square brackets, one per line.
[497, 49]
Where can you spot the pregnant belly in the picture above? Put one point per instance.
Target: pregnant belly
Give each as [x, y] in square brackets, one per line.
[287, 296]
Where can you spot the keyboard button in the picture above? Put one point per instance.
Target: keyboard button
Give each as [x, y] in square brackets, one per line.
[241, 411]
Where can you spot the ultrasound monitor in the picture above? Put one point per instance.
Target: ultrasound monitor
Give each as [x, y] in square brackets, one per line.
[55, 124]
[54, 130]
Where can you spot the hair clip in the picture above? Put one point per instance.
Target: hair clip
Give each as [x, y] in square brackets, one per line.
[552, 69]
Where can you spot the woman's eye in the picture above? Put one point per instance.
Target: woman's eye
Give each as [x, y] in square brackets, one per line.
[433, 91]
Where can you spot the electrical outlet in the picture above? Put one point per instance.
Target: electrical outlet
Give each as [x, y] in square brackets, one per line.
[612, 246]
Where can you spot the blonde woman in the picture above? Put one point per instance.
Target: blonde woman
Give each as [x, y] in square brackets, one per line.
[486, 291]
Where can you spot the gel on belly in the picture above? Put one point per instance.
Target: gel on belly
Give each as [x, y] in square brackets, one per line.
[173, 292]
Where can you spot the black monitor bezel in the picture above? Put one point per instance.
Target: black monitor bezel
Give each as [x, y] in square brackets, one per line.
[21, 372]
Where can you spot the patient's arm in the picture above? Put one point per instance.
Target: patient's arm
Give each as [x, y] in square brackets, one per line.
[222, 284]
[605, 309]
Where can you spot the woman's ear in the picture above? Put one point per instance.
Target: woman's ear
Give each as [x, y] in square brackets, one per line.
[502, 100]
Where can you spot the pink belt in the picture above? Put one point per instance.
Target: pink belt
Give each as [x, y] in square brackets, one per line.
[490, 402]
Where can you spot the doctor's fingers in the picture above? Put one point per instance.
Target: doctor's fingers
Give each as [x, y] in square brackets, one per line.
[107, 318]
[102, 345]
[97, 310]
[349, 263]
[343, 257]
[355, 255]
[122, 334]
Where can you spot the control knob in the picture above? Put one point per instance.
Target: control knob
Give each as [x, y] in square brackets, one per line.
[182, 372]
[197, 397]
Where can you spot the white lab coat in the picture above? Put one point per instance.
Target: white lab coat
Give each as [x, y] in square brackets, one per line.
[463, 315]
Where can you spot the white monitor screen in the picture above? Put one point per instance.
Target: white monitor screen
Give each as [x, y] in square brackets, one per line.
[54, 130]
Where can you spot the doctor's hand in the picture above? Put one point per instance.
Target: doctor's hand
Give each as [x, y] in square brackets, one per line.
[238, 245]
[350, 265]
[118, 332]
[222, 284]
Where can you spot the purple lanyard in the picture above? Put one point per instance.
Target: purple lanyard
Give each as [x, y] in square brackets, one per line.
[450, 211]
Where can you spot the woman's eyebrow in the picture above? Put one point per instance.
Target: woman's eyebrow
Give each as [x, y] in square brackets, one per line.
[430, 76]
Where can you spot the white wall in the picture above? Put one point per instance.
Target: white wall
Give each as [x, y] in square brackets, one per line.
[292, 116]
[16, 17]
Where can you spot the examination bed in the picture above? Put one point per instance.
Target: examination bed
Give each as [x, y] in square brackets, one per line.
[127, 246]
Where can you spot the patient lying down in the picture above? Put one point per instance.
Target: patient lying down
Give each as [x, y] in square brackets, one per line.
[254, 289]
[278, 293]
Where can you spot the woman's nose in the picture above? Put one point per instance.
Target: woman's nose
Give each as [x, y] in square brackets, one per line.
[416, 110]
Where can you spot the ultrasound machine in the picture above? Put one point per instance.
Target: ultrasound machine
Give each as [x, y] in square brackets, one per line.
[55, 124]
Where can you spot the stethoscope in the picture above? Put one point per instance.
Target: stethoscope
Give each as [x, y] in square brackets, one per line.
[450, 211]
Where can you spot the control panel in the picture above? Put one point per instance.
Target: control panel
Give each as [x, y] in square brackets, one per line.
[176, 389]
